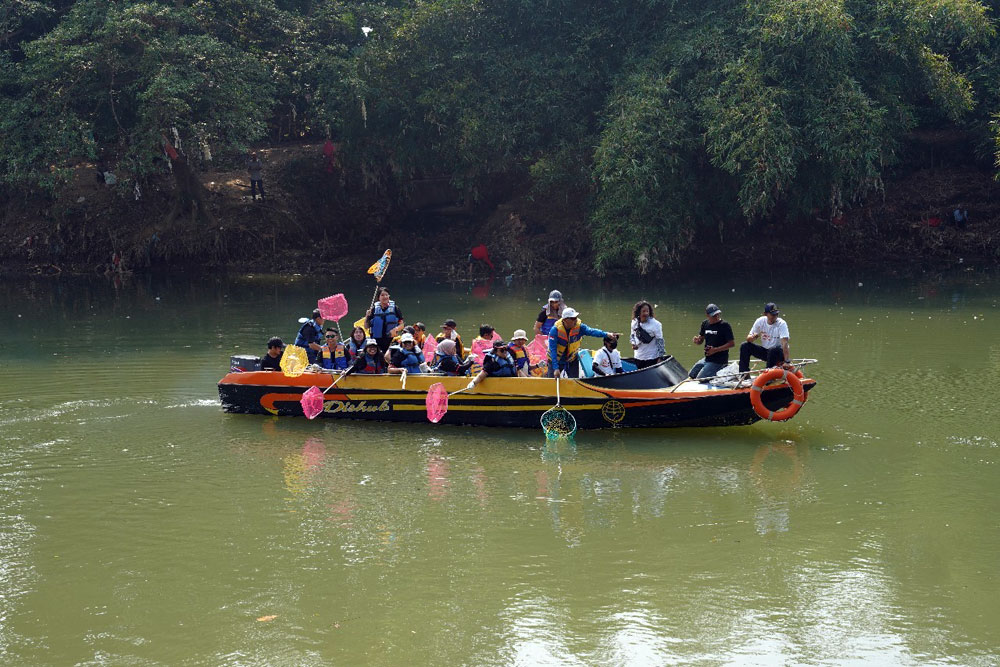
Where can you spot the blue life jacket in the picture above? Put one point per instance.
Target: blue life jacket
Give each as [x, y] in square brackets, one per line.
[310, 332]
[439, 358]
[519, 355]
[384, 321]
[550, 319]
[408, 359]
[505, 368]
[333, 359]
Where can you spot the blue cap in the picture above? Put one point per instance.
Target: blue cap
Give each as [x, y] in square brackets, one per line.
[771, 308]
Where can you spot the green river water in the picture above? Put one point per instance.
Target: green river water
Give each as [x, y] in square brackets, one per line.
[141, 525]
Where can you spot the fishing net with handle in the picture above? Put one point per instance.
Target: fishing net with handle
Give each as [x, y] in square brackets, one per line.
[558, 422]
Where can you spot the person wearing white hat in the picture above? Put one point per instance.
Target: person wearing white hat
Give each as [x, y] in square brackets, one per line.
[520, 353]
[405, 356]
[564, 343]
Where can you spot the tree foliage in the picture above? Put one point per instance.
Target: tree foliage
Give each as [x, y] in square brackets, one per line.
[664, 118]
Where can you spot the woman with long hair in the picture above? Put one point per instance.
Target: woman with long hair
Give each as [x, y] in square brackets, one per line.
[646, 336]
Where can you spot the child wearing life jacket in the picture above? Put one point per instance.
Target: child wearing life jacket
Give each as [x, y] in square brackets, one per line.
[519, 352]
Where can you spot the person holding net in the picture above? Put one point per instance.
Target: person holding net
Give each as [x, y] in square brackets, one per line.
[564, 343]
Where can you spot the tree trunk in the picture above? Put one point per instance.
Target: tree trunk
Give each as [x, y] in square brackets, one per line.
[189, 194]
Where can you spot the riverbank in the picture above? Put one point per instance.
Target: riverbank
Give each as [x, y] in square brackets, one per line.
[315, 219]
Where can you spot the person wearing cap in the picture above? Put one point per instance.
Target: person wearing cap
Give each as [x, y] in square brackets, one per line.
[646, 336]
[448, 332]
[405, 356]
[369, 363]
[332, 355]
[310, 336]
[496, 364]
[564, 343]
[550, 314]
[519, 353]
[272, 360]
[608, 361]
[773, 333]
[717, 337]
[384, 320]
[446, 361]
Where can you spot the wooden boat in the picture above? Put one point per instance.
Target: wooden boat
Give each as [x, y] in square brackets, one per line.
[657, 396]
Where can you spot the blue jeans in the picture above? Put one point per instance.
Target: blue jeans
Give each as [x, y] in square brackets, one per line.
[705, 369]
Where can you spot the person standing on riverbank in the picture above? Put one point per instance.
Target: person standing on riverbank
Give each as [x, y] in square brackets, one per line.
[717, 337]
[773, 333]
[646, 336]
[256, 168]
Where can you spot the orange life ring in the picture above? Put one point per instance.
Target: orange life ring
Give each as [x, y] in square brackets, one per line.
[786, 413]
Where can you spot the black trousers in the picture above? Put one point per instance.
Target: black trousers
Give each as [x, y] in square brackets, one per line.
[774, 356]
[254, 184]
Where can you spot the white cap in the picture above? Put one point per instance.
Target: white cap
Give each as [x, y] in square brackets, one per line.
[570, 312]
[371, 341]
[519, 335]
[406, 338]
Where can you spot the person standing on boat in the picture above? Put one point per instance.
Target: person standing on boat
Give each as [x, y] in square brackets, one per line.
[385, 320]
[332, 355]
[446, 360]
[310, 336]
[773, 333]
[496, 364]
[272, 360]
[551, 313]
[646, 336]
[448, 332]
[717, 337]
[405, 357]
[608, 361]
[369, 363]
[564, 343]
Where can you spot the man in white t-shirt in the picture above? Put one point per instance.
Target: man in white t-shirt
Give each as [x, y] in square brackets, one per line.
[608, 361]
[773, 333]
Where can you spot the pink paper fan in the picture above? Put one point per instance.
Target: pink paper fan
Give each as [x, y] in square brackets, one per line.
[333, 307]
[479, 348]
[437, 402]
[312, 402]
[539, 347]
[430, 349]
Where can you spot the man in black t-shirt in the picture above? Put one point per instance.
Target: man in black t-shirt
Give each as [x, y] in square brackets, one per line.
[272, 360]
[717, 337]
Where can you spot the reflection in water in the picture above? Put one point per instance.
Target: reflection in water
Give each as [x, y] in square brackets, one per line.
[438, 470]
[776, 471]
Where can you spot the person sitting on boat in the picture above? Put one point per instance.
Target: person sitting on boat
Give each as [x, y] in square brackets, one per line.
[519, 352]
[481, 344]
[369, 363]
[332, 355]
[272, 360]
[310, 336]
[773, 332]
[446, 360]
[419, 334]
[448, 332]
[564, 343]
[550, 314]
[646, 336]
[405, 356]
[385, 320]
[717, 336]
[356, 344]
[608, 361]
[496, 364]
[408, 329]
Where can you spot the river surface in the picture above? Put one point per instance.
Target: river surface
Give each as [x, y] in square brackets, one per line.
[140, 525]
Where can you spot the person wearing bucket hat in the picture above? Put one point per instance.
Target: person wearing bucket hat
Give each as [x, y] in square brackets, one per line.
[550, 313]
[519, 352]
[564, 343]
[405, 356]
[773, 333]
[717, 336]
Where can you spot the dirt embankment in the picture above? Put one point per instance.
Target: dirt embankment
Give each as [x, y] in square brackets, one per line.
[316, 219]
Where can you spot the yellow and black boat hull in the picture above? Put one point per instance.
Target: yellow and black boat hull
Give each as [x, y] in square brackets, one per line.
[645, 398]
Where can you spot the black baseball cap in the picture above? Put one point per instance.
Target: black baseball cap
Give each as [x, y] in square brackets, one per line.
[499, 343]
[450, 323]
[771, 307]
